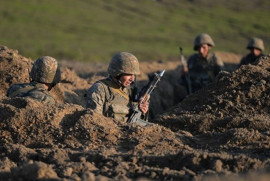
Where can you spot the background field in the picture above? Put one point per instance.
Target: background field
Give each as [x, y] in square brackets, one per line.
[93, 30]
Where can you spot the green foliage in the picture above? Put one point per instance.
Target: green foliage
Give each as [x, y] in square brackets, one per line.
[93, 30]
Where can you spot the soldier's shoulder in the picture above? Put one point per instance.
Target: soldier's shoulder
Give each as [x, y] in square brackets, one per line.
[99, 88]
[245, 59]
[16, 87]
[214, 57]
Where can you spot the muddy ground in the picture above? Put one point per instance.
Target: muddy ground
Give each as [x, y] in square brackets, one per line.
[219, 133]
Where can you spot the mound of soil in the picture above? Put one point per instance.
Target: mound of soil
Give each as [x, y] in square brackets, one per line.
[63, 135]
[238, 99]
[220, 132]
[14, 68]
[232, 115]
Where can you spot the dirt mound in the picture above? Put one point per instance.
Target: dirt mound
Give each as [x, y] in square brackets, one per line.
[238, 99]
[221, 136]
[62, 135]
[72, 88]
[14, 68]
[231, 115]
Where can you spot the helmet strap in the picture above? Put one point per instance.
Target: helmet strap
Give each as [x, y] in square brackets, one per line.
[119, 81]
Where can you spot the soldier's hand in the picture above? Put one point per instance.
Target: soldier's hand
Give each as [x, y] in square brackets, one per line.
[184, 70]
[144, 106]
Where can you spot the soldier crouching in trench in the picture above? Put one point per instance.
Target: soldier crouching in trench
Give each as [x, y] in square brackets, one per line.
[45, 74]
[114, 96]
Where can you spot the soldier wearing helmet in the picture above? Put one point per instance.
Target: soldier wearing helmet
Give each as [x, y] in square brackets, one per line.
[114, 95]
[202, 67]
[256, 47]
[44, 75]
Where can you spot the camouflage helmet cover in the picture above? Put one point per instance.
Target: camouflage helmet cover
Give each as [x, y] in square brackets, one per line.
[203, 39]
[123, 62]
[256, 43]
[46, 70]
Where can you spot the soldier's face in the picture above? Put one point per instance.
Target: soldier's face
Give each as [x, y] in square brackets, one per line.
[256, 52]
[203, 50]
[127, 79]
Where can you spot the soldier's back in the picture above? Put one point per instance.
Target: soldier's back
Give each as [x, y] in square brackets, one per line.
[32, 90]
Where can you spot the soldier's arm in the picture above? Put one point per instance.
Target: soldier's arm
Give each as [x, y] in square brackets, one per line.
[219, 62]
[218, 66]
[42, 96]
[96, 98]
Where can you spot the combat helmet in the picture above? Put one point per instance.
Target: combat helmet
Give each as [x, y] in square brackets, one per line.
[256, 43]
[203, 39]
[46, 70]
[123, 63]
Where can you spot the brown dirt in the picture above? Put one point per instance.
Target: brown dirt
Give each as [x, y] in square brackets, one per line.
[219, 133]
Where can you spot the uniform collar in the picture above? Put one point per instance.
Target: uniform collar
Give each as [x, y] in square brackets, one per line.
[208, 57]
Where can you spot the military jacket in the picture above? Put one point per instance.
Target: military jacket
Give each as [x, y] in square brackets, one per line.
[32, 90]
[203, 71]
[107, 98]
[249, 58]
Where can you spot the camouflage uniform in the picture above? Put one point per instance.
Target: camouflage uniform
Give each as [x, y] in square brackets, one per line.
[110, 98]
[44, 71]
[251, 58]
[33, 90]
[202, 71]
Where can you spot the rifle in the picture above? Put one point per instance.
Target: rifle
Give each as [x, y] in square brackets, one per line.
[135, 116]
[186, 76]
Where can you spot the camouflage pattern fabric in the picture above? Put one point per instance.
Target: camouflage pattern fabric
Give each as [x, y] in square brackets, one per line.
[107, 98]
[32, 90]
[46, 70]
[249, 59]
[202, 71]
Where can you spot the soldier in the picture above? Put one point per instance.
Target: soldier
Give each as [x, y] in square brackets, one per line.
[256, 47]
[45, 74]
[202, 67]
[114, 95]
